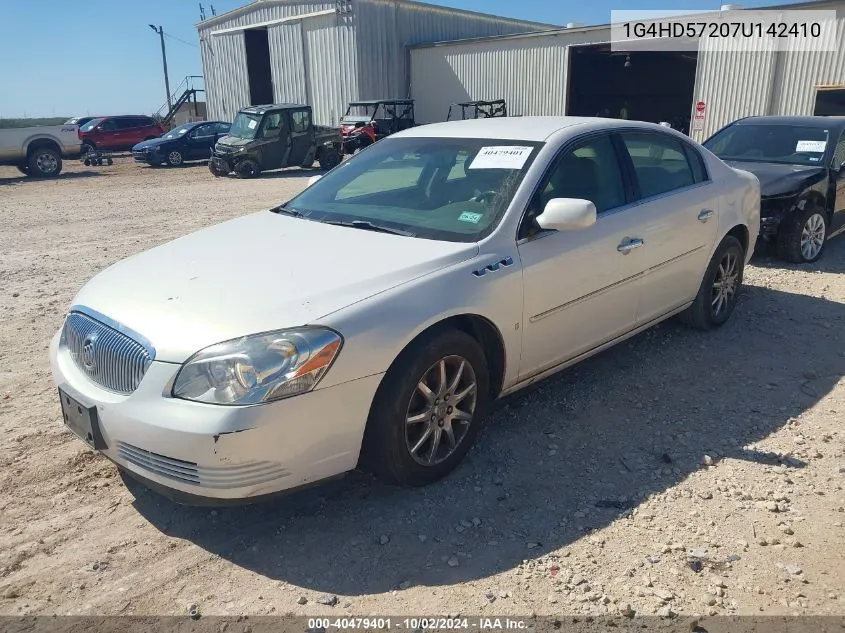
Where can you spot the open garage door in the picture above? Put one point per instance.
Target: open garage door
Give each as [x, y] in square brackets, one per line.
[651, 86]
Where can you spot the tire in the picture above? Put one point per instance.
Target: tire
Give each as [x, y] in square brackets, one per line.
[45, 162]
[214, 171]
[726, 267]
[247, 168]
[24, 169]
[329, 158]
[389, 440]
[802, 236]
[175, 158]
[87, 148]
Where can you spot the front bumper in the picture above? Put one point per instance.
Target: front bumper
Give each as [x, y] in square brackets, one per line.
[148, 158]
[202, 451]
[222, 164]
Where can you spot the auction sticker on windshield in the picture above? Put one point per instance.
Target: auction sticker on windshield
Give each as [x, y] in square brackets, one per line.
[469, 216]
[251, 125]
[810, 146]
[501, 157]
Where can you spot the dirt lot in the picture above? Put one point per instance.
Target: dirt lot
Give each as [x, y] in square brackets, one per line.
[682, 472]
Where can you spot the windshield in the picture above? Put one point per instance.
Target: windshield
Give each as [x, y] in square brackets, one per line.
[245, 125]
[360, 112]
[90, 125]
[452, 189]
[770, 143]
[180, 130]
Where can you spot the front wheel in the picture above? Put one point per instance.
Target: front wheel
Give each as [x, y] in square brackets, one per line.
[802, 236]
[428, 409]
[175, 158]
[247, 168]
[716, 298]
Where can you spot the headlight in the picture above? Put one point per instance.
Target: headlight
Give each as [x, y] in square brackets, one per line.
[259, 368]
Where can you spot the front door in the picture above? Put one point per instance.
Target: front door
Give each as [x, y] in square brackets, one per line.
[275, 137]
[580, 287]
[199, 141]
[838, 173]
[301, 139]
[678, 214]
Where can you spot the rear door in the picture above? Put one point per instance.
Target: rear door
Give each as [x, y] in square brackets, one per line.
[301, 138]
[677, 206]
[108, 134]
[838, 174]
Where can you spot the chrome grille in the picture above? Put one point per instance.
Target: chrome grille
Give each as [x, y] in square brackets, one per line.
[110, 358]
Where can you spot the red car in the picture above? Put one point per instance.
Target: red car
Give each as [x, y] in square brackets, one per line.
[118, 132]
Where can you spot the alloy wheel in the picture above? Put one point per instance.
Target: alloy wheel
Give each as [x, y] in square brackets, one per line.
[725, 284]
[174, 158]
[812, 236]
[441, 410]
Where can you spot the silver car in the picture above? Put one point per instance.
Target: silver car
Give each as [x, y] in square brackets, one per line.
[371, 319]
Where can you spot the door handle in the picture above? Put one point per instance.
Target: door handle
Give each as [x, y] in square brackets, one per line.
[629, 244]
[705, 215]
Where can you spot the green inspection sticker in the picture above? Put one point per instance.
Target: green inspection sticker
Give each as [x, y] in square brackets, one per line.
[468, 216]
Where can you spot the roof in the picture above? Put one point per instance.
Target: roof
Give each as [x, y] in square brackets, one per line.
[255, 4]
[479, 102]
[552, 30]
[261, 109]
[806, 121]
[378, 101]
[528, 128]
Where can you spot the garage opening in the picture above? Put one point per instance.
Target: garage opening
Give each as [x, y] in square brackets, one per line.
[258, 66]
[830, 101]
[651, 86]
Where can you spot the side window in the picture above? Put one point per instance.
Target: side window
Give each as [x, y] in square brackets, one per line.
[272, 125]
[128, 123]
[203, 131]
[660, 163]
[589, 171]
[839, 152]
[300, 121]
[109, 125]
[223, 128]
[699, 171]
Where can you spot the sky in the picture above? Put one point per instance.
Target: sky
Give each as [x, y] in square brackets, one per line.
[77, 57]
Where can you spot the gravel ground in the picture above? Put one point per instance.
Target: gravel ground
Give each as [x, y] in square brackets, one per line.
[680, 472]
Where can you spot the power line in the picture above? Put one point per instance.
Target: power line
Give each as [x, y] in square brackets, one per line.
[173, 37]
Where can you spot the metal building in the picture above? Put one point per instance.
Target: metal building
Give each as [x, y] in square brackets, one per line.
[326, 53]
[575, 71]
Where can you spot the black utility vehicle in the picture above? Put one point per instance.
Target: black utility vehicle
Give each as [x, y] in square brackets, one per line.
[800, 163]
[190, 141]
[271, 137]
[366, 122]
[477, 110]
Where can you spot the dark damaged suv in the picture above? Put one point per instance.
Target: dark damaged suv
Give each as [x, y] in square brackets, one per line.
[800, 163]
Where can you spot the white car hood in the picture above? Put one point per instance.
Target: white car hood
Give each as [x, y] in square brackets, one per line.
[256, 273]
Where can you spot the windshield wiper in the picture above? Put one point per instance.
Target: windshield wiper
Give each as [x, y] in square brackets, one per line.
[288, 211]
[369, 226]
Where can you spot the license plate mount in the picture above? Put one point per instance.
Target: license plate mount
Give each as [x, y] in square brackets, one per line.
[82, 421]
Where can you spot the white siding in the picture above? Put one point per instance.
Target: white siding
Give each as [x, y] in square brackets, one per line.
[331, 67]
[529, 72]
[226, 80]
[287, 61]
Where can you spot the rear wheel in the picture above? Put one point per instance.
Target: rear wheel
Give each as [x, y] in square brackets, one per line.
[87, 148]
[717, 294]
[45, 162]
[329, 158]
[802, 236]
[428, 409]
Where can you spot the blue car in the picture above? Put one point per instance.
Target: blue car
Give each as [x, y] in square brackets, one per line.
[191, 141]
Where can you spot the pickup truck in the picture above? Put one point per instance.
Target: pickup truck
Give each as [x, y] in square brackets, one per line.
[38, 151]
[268, 137]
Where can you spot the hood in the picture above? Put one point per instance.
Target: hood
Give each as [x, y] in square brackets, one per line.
[779, 180]
[256, 273]
[152, 143]
[235, 141]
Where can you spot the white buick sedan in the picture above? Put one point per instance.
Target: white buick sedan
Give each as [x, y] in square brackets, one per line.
[372, 319]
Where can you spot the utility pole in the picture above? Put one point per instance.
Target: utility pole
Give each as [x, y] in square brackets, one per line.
[160, 32]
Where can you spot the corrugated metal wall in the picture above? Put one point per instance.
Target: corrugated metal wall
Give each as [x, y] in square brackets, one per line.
[287, 61]
[387, 27]
[529, 72]
[331, 67]
[226, 80]
[732, 84]
[801, 71]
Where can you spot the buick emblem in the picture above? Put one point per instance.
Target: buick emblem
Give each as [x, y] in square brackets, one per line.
[89, 351]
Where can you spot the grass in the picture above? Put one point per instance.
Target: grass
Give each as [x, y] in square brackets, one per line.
[8, 123]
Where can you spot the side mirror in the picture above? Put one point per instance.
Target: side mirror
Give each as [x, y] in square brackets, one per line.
[314, 179]
[567, 214]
